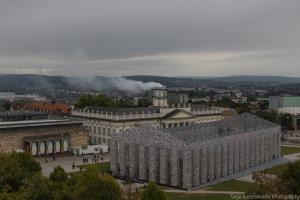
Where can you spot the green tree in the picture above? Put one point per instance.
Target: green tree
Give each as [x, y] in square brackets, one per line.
[264, 184]
[10, 196]
[288, 182]
[91, 186]
[58, 175]
[290, 178]
[268, 115]
[286, 120]
[6, 106]
[225, 103]
[96, 100]
[16, 169]
[38, 188]
[242, 108]
[59, 187]
[152, 192]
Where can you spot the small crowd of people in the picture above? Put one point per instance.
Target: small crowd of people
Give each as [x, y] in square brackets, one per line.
[95, 158]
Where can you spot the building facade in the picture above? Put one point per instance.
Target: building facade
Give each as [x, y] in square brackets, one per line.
[159, 97]
[277, 102]
[42, 137]
[104, 122]
[287, 105]
[195, 156]
[178, 99]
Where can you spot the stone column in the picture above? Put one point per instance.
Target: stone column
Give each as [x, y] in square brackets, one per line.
[262, 148]
[152, 164]
[54, 146]
[271, 144]
[211, 163]
[131, 163]
[196, 167]
[121, 153]
[275, 149]
[38, 148]
[163, 166]
[203, 165]
[142, 167]
[279, 143]
[267, 148]
[242, 154]
[174, 168]
[247, 152]
[46, 147]
[252, 152]
[61, 145]
[114, 158]
[230, 157]
[217, 161]
[236, 159]
[257, 150]
[187, 169]
[224, 154]
[295, 123]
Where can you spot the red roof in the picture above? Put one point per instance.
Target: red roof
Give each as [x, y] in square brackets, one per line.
[49, 107]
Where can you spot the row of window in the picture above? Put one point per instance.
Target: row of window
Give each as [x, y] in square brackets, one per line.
[99, 140]
[102, 130]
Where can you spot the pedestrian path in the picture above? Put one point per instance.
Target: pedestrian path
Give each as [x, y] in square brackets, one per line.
[66, 162]
[202, 192]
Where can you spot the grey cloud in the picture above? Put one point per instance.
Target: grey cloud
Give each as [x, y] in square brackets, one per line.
[70, 35]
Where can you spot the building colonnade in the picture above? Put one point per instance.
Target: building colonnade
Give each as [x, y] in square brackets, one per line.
[194, 166]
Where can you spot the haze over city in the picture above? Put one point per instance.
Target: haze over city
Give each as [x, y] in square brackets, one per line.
[170, 37]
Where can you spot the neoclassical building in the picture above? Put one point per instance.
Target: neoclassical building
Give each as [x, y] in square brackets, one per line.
[198, 155]
[104, 122]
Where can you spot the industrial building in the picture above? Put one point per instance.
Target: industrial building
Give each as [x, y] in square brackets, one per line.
[42, 137]
[277, 102]
[195, 156]
[287, 105]
[22, 115]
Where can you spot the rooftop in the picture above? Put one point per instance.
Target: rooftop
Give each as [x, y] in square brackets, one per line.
[22, 113]
[51, 107]
[117, 110]
[37, 123]
[195, 135]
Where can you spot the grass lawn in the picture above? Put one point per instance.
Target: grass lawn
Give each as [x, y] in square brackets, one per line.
[286, 150]
[102, 167]
[277, 169]
[105, 166]
[232, 185]
[185, 196]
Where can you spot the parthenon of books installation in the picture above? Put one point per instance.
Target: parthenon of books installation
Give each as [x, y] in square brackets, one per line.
[194, 156]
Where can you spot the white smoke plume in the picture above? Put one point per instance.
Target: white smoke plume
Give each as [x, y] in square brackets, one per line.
[112, 84]
[124, 84]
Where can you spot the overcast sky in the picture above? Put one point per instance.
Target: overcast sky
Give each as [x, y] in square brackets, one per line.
[159, 37]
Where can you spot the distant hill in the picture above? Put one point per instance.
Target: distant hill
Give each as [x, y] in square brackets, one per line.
[266, 79]
[217, 80]
[25, 83]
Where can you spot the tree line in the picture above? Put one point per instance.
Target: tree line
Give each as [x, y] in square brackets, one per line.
[21, 178]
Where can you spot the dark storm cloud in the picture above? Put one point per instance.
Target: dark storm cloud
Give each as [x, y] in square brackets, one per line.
[134, 35]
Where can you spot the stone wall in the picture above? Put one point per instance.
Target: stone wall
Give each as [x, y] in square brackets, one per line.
[11, 139]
